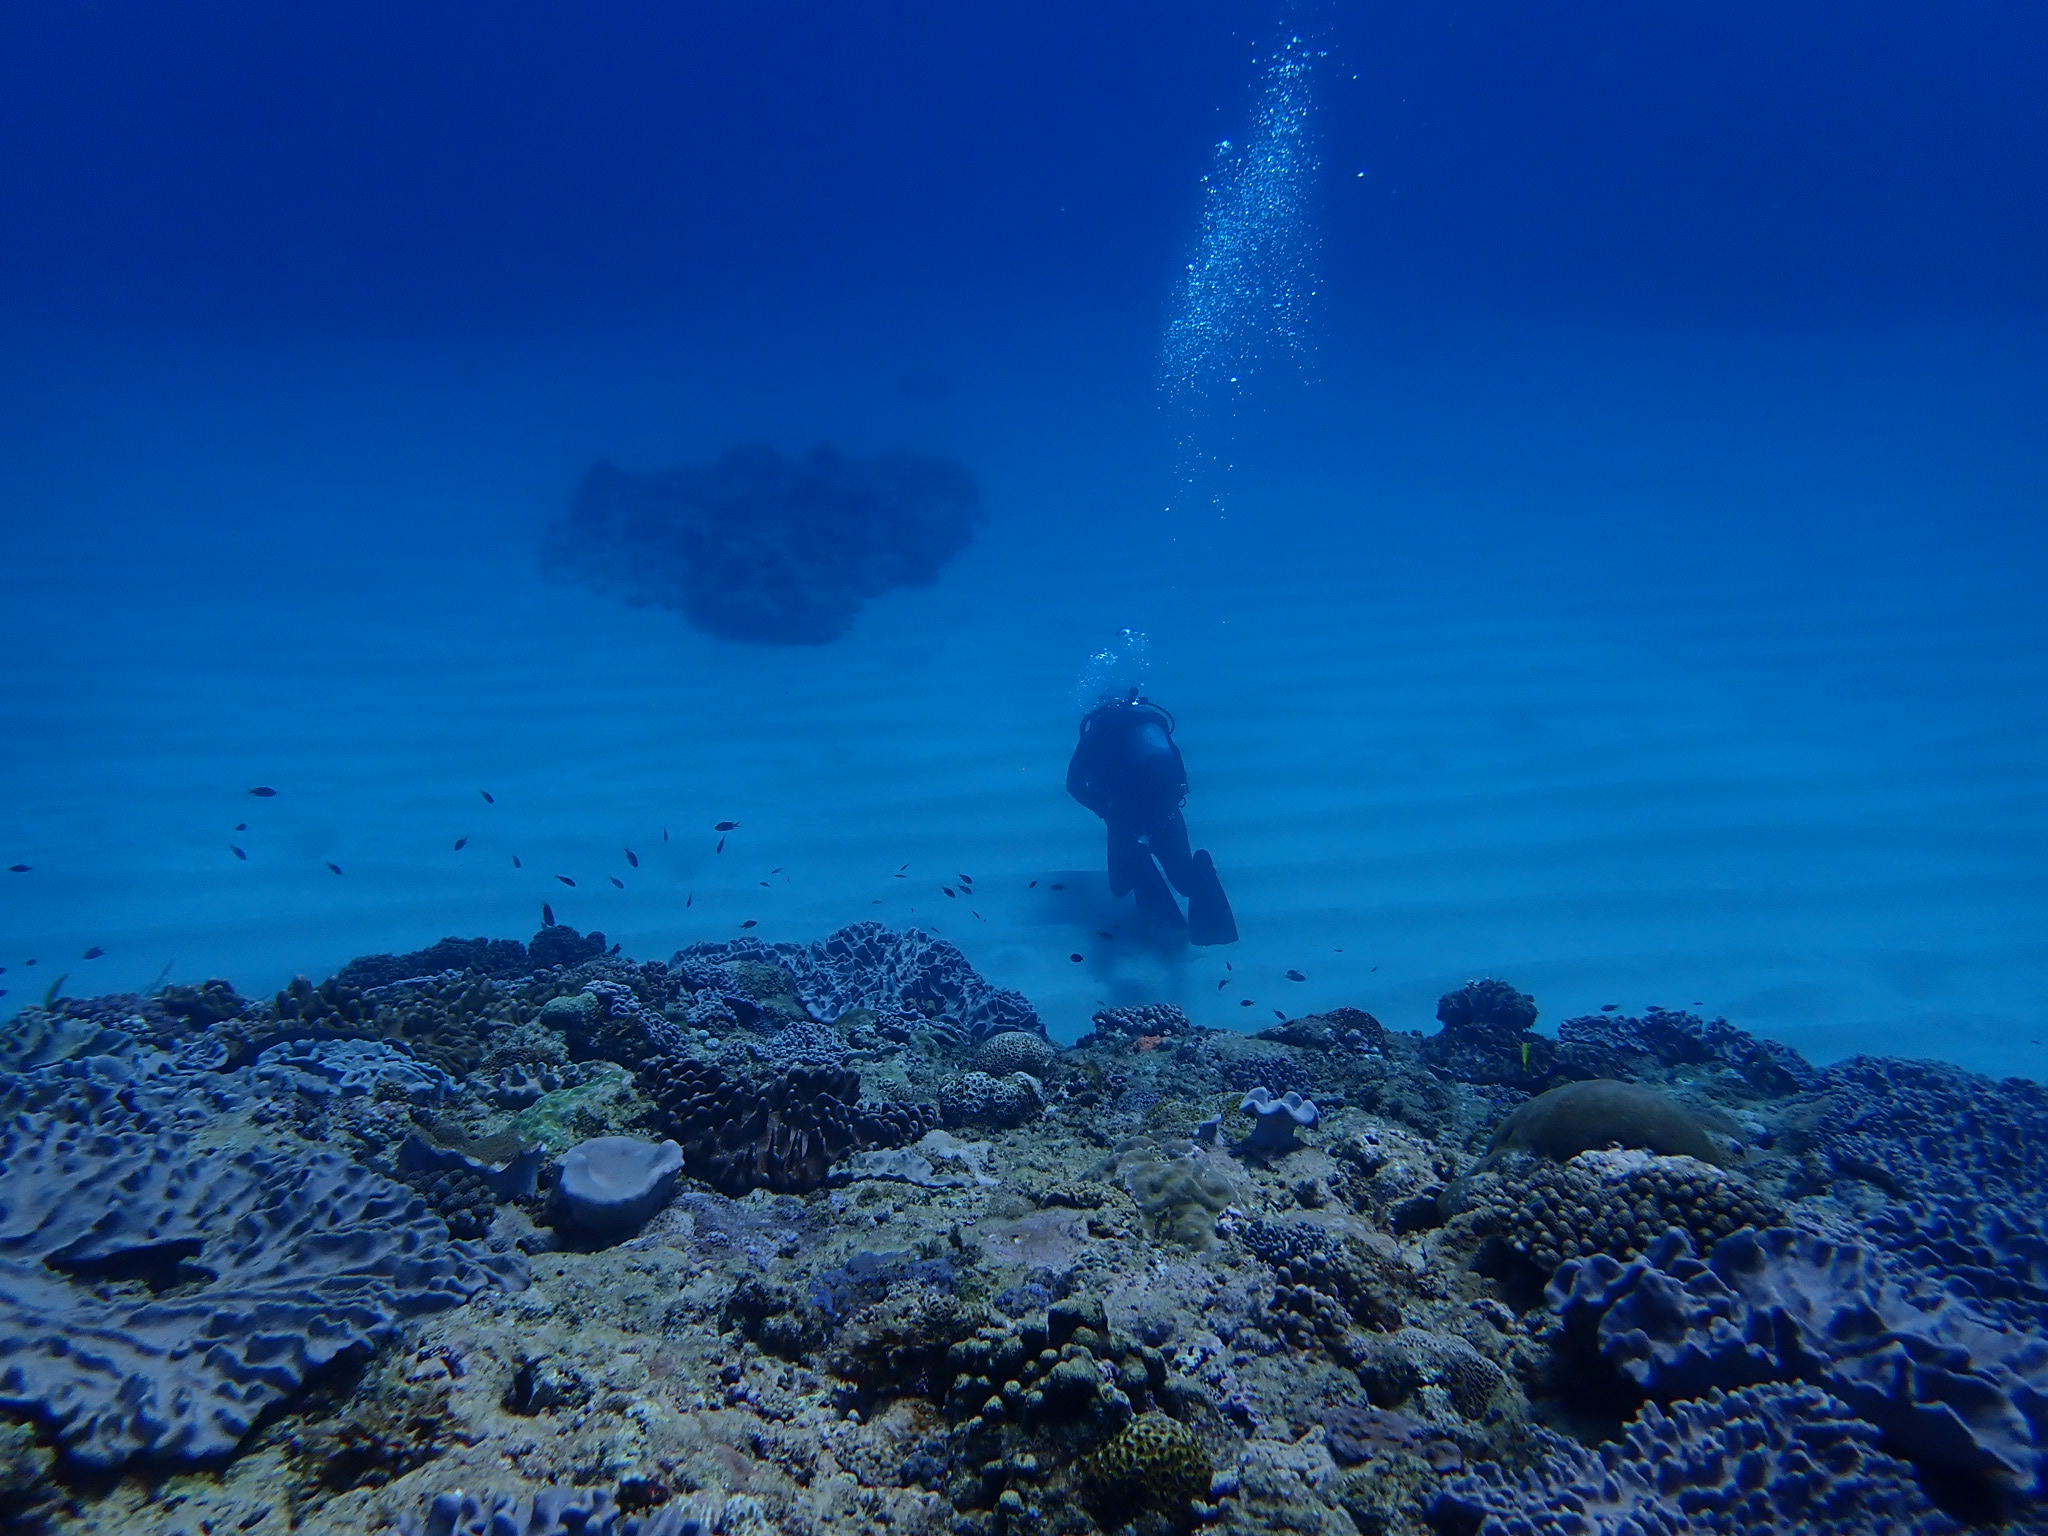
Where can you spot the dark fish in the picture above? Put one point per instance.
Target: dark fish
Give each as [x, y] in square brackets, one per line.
[664, 834]
[3, 991]
[967, 879]
[547, 915]
[632, 858]
[949, 890]
[776, 870]
[241, 826]
[1032, 886]
[721, 846]
[899, 875]
[1075, 958]
[1280, 1014]
[1375, 968]
[1104, 933]
[1296, 976]
[1244, 1002]
[515, 862]
[489, 798]
[903, 866]
[263, 792]
[748, 923]
[1228, 966]
[726, 826]
[236, 851]
[94, 953]
[690, 900]
[28, 962]
[1608, 1007]
[461, 843]
[615, 880]
[973, 913]
[334, 866]
[1057, 886]
[1222, 984]
[19, 869]
[761, 882]
[565, 880]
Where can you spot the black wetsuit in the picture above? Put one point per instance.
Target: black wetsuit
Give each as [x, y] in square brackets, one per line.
[1127, 770]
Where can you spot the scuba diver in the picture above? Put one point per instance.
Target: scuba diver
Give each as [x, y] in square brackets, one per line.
[1127, 770]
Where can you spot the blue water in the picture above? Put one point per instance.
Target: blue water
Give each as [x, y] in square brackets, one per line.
[1616, 564]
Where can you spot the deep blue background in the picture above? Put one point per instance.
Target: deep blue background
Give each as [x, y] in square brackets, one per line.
[504, 167]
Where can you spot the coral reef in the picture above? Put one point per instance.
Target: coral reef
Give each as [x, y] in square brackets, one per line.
[1658, 1275]
[764, 548]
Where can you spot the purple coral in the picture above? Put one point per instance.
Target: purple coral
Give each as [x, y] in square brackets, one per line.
[157, 1296]
[1766, 1461]
[1949, 1389]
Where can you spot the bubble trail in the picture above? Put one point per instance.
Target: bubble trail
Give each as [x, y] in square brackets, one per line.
[1245, 304]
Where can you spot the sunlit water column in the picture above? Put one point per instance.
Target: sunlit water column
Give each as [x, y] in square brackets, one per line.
[1245, 308]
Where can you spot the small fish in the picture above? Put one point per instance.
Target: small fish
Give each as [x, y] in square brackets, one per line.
[664, 834]
[903, 866]
[949, 890]
[1228, 966]
[1280, 1014]
[241, 826]
[333, 867]
[3, 991]
[28, 962]
[489, 798]
[461, 843]
[1374, 968]
[1075, 958]
[761, 882]
[547, 915]
[776, 870]
[615, 880]
[515, 862]
[236, 851]
[967, 879]
[1104, 933]
[1032, 886]
[726, 826]
[690, 900]
[19, 869]
[721, 846]
[899, 875]
[1057, 886]
[748, 923]
[264, 792]
[94, 953]
[1244, 1002]
[1222, 984]
[632, 858]
[565, 880]
[973, 913]
[1608, 1007]
[1296, 976]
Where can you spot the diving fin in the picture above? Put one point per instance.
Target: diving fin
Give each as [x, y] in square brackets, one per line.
[1209, 917]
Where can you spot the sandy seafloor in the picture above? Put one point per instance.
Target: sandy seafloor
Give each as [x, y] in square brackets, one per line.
[1703, 672]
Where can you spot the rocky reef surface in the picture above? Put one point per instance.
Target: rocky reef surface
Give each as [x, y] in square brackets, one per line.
[532, 1238]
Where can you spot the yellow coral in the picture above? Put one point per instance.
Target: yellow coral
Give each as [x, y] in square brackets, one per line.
[1152, 1462]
